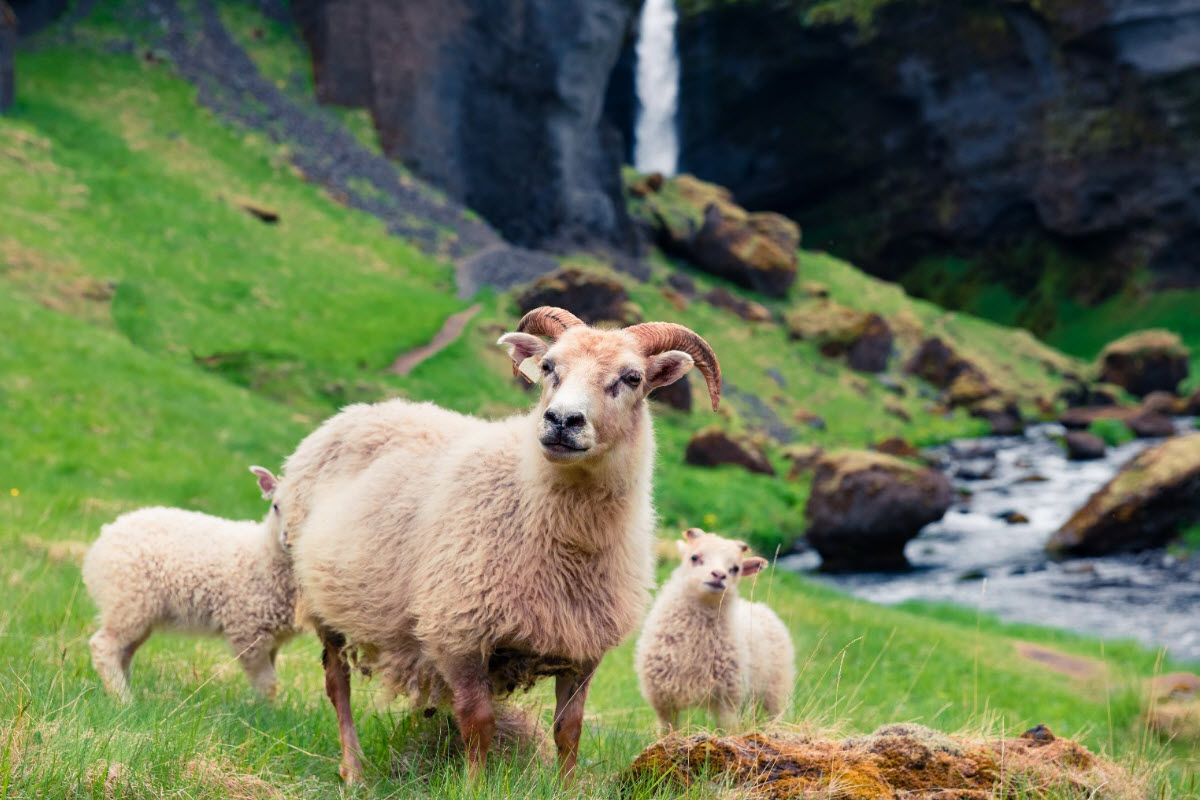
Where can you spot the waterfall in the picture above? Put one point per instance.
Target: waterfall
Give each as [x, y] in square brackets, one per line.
[655, 140]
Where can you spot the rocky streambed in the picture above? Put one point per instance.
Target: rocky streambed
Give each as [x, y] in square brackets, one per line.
[982, 555]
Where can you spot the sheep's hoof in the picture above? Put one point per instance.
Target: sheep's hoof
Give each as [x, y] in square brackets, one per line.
[351, 774]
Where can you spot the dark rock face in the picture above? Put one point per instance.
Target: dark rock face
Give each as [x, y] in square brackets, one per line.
[960, 128]
[865, 506]
[496, 102]
[590, 296]
[8, 57]
[33, 15]
[712, 447]
[1143, 506]
[1083, 446]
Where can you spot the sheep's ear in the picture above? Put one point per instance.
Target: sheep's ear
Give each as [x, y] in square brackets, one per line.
[521, 346]
[266, 481]
[681, 546]
[692, 534]
[752, 566]
[666, 368]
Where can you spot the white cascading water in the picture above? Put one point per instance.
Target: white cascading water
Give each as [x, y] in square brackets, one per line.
[655, 140]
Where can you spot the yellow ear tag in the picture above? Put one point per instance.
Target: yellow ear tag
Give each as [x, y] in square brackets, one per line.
[531, 369]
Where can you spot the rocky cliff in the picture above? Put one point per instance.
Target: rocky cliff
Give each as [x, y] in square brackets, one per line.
[497, 102]
[1026, 135]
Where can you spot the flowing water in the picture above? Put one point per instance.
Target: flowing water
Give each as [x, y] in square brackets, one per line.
[656, 140]
[973, 558]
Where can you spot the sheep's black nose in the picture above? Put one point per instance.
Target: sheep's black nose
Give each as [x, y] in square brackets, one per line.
[573, 419]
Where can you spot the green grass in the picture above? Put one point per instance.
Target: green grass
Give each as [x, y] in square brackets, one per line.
[1114, 432]
[156, 340]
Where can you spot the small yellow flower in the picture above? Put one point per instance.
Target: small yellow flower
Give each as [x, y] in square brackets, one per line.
[14, 491]
[710, 520]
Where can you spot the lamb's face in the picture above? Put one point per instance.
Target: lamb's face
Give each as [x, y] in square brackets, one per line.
[594, 387]
[712, 565]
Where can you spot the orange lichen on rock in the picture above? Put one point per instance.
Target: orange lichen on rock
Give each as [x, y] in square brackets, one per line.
[904, 760]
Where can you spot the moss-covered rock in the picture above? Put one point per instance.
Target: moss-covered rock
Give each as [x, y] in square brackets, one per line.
[864, 506]
[863, 337]
[591, 295]
[701, 222]
[1144, 505]
[713, 447]
[902, 760]
[1145, 361]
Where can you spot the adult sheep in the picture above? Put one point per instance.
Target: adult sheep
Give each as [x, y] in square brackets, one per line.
[462, 558]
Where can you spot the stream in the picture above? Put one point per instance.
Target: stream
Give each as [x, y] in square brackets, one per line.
[974, 558]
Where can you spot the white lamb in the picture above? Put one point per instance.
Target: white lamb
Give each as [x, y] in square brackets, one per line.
[463, 558]
[704, 646]
[167, 567]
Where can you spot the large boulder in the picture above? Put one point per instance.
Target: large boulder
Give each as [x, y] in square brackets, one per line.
[496, 102]
[591, 296]
[863, 337]
[677, 395]
[713, 447]
[1143, 506]
[1145, 362]
[701, 222]
[865, 506]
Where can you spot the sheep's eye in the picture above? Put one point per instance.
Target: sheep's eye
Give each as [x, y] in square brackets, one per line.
[275, 507]
[695, 559]
[733, 570]
[547, 367]
[633, 379]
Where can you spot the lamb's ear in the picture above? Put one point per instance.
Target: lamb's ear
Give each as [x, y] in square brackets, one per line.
[681, 546]
[666, 368]
[266, 481]
[692, 534]
[521, 346]
[752, 566]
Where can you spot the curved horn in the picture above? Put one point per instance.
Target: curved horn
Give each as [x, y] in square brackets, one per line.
[659, 337]
[548, 321]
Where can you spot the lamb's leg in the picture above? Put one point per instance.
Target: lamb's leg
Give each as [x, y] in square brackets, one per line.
[112, 655]
[258, 661]
[725, 711]
[570, 692]
[337, 687]
[472, 690]
[668, 720]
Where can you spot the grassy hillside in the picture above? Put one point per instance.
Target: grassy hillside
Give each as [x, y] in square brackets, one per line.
[157, 339]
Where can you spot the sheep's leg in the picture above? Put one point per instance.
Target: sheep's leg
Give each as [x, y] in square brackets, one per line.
[570, 692]
[473, 709]
[337, 687]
